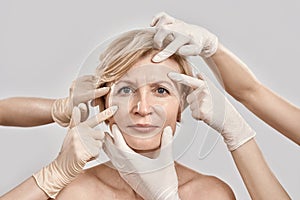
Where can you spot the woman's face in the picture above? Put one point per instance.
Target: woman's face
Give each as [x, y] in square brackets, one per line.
[148, 101]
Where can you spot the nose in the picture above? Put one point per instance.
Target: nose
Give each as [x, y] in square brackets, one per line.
[142, 105]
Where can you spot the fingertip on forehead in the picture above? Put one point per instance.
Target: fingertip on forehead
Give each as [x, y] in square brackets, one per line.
[147, 60]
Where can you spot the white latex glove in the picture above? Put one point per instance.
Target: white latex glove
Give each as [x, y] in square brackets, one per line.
[153, 179]
[188, 39]
[82, 90]
[81, 144]
[207, 103]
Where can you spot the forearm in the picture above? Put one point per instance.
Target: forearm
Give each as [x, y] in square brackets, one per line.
[276, 111]
[25, 111]
[240, 83]
[257, 176]
[232, 73]
[26, 190]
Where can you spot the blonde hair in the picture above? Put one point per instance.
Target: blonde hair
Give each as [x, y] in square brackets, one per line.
[126, 50]
[123, 52]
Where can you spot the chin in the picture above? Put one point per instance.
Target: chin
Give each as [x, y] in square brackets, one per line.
[142, 144]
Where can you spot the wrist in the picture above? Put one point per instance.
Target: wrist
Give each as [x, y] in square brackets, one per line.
[46, 182]
[237, 144]
[234, 129]
[60, 112]
[53, 178]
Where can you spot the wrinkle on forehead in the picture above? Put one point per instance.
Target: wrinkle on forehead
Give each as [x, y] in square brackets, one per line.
[149, 74]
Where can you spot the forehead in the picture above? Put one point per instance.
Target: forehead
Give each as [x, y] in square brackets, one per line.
[144, 71]
[148, 74]
[170, 63]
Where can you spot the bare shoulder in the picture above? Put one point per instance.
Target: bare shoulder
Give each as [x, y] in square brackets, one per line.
[211, 187]
[193, 185]
[86, 186]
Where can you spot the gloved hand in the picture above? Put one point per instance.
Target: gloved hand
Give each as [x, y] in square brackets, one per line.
[81, 144]
[153, 179]
[207, 103]
[82, 90]
[188, 39]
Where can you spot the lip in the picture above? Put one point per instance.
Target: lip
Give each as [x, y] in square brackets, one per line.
[143, 128]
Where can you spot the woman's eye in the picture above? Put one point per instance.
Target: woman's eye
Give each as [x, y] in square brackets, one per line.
[125, 90]
[161, 90]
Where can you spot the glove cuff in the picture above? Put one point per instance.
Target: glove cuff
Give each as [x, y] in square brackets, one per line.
[47, 181]
[52, 179]
[60, 113]
[232, 147]
[234, 129]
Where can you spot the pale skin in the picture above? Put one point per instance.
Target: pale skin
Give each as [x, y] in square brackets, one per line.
[105, 182]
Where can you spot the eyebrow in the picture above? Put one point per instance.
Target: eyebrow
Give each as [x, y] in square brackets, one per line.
[169, 84]
[125, 81]
[164, 82]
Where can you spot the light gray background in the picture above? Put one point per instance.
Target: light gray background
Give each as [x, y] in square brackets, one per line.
[43, 43]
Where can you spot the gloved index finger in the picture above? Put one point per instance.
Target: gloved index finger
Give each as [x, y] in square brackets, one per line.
[100, 117]
[94, 94]
[171, 48]
[186, 80]
[100, 92]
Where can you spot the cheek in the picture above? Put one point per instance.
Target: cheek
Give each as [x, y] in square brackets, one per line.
[172, 111]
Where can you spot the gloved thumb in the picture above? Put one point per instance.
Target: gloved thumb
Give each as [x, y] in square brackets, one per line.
[76, 116]
[167, 137]
[166, 150]
[119, 140]
[162, 18]
[84, 111]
